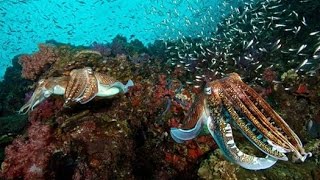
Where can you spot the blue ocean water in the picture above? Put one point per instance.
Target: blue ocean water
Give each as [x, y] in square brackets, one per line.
[26, 23]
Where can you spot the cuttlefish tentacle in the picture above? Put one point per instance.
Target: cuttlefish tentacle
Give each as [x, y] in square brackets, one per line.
[254, 115]
[221, 130]
[196, 118]
[254, 134]
[257, 139]
[283, 138]
[290, 135]
[236, 101]
[91, 90]
[77, 84]
[44, 89]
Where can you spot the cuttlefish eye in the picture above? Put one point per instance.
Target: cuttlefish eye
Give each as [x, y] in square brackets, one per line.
[46, 93]
[41, 81]
[89, 70]
[208, 90]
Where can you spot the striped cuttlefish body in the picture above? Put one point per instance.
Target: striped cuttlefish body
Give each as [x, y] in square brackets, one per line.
[228, 103]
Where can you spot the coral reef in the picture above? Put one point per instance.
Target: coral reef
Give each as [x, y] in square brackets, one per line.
[118, 45]
[29, 157]
[216, 167]
[104, 49]
[127, 137]
[10, 127]
[46, 109]
[34, 65]
[102, 146]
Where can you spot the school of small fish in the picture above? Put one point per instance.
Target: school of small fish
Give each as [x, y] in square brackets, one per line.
[251, 37]
[26, 23]
[205, 37]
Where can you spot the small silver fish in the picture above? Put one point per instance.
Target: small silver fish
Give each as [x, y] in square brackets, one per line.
[302, 64]
[304, 21]
[296, 29]
[260, 66]
[316, 56]
[302, 47]
[296, 14]
[316, 50]
[314, 33]
[280, 25]
[249, 44]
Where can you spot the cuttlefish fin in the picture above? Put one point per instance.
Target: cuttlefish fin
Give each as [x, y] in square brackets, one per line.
[194, 121]
[222, 134]
[181, 135]
[129, 84]
[123, 88]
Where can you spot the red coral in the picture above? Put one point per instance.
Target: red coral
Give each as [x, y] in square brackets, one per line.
[161, 91]
[162, 79]
[269, 75]
[136, 94]
[35, 64]
[194, 153]
[29, 158]
[46, 109]
[302, 89]
[176, 161]
[173, 122]
[178, 72]
[101, 152]
[83, 172]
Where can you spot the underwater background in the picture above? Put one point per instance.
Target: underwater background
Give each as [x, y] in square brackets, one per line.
[169, 49]
[24, 24]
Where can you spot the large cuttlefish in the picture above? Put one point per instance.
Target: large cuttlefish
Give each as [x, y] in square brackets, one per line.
[82, 85]
[228, 103]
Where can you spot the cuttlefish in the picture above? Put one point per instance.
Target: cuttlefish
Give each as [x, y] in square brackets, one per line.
[81, 86]
[227, 104]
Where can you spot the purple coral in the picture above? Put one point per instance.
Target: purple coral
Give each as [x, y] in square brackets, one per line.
[118, 45]
[140, 59]
[35, 64]
[28, 158]
[104, 49]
